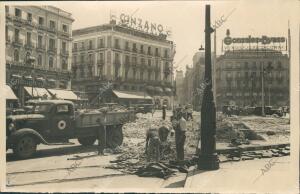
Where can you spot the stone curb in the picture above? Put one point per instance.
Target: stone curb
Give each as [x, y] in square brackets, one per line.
[188, 180]
[229, 150]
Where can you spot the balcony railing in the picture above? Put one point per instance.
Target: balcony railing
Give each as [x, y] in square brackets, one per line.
[18, 19]
[63, 33]
[52, 50]
[64, 53]
[29, 45]
[40, 48]
[17, 43]
[74, 49]
[42, 27]
[134, 50]
[52, 29]
[30, 23]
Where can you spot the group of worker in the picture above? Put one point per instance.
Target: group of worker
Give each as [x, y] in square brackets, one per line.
[156, 138]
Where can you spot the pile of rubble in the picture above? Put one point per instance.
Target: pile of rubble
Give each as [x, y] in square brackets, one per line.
[251, 155]
[132, 157]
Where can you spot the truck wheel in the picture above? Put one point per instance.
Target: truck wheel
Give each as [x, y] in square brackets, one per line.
[86, 141]
[25, 147]
[114, 137]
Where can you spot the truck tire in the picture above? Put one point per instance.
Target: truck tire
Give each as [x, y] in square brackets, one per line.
[25, 147]
[114, 136]
[87, 141]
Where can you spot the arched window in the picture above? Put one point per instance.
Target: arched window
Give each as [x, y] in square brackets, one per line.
[16, 55]
[40, 60]
[50, 62]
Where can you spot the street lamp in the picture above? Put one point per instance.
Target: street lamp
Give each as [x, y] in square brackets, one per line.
[208, 158]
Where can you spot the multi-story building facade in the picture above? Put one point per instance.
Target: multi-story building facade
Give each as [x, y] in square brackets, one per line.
[190, 91]
[38, 48]
[239, 76]
[188, 85]
[132, 60]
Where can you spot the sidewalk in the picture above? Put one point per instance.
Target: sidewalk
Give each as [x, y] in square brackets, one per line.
[261, 175]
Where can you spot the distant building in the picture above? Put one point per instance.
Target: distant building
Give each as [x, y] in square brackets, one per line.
[239, 78]
[179, 87]
[132, 60]
[38, 48]
[190, 87]
[199, 83]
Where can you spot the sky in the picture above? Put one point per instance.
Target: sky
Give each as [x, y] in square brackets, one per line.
[186, 19]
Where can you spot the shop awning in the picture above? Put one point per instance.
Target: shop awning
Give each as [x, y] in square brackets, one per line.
[37, 92]
[9, 94]
[40, 79]
[28, 77]
[158, 89]
[150, 88]
[16, 76]
[131, 95]
[168, 90]
[64, 94]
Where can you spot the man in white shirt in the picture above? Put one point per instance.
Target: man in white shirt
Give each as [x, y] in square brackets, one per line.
[180, 137]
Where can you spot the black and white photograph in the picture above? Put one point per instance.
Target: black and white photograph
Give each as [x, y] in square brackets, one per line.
[150, 96]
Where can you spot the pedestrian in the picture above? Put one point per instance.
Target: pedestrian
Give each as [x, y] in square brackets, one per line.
[189, 113]
[180, 137]
[152, 148]
[164, 112]
[228, 111]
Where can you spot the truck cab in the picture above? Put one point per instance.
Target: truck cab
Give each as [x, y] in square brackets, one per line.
[49, 121]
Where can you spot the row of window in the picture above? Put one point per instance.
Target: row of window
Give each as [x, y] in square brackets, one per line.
[117, 60]
[142, 75]
[253, 75]
[41, 20]
[39, 60]
[40, 40]
[142, 49]
[253, 65]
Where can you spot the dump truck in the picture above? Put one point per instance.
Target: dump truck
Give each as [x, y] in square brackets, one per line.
[55, 122]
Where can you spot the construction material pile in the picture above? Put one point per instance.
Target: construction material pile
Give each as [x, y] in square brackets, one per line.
[132, 150]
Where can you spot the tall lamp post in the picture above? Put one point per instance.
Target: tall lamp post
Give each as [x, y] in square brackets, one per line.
[208, 158]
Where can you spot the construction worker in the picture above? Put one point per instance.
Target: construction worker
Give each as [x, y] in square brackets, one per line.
[152, 148]
[180, 137]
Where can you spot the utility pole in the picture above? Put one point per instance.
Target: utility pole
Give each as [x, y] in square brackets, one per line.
[208, 158]
[214, 67]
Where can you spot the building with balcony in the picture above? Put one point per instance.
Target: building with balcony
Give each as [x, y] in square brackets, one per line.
[38, 48]
[239, 78]
[132, 61]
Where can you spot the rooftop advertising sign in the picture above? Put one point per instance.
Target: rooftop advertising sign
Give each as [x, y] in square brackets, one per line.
[139, 24]
[254, 43]
[263, 40]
